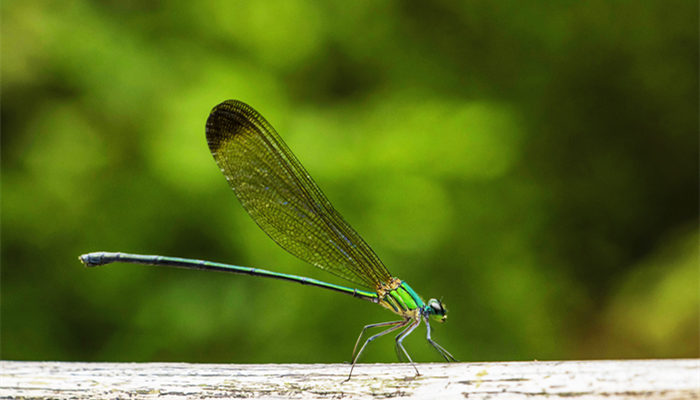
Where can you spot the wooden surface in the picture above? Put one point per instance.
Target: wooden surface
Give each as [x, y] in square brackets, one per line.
[633, 379]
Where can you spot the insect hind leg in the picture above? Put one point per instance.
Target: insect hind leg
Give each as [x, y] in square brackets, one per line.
[370, 326]
[394, 325]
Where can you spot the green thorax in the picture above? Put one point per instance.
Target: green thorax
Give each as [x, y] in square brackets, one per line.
[402, 300]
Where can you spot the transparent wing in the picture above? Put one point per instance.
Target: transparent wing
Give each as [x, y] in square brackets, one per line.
[283, 200]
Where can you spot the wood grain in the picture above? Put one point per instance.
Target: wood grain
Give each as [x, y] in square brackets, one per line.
[629, 379]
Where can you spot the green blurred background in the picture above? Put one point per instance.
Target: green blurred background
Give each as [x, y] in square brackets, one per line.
[535, 165]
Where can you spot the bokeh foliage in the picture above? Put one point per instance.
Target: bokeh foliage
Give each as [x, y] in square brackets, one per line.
[533, 163]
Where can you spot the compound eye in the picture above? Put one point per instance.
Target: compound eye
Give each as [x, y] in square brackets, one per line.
[436, 307]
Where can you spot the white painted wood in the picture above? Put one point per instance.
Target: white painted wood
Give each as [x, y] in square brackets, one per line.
[629, 379]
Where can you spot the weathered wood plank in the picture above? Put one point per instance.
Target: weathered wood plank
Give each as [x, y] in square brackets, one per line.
[630, 379]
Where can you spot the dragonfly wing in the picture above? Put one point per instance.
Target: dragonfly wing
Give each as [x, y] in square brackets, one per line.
[280, 196]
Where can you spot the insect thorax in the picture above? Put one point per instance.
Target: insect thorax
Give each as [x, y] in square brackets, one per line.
[401, 299]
